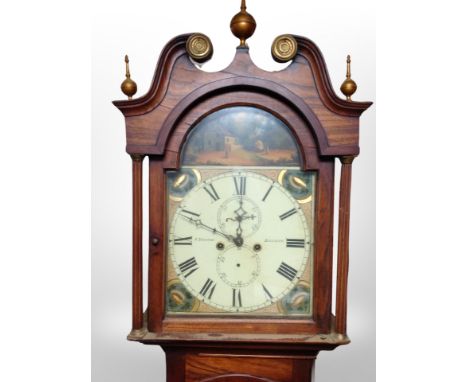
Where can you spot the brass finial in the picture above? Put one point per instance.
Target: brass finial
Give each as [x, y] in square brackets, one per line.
[348, 87]
[129, 87]
[243, 25]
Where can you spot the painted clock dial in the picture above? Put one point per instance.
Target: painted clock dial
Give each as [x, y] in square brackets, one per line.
[239, 241]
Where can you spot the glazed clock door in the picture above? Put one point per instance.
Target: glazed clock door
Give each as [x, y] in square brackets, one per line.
[240, 220]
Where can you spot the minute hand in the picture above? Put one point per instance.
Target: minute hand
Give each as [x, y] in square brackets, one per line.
[199, 223]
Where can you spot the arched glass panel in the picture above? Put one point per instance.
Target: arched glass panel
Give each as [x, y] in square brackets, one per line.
[240, 219]
[244, 136]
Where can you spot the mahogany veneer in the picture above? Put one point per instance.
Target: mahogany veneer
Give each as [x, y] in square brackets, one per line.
[325, 126]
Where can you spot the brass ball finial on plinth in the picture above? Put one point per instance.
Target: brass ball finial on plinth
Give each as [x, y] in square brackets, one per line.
[129, 87]
[348, 87]
[243, 25]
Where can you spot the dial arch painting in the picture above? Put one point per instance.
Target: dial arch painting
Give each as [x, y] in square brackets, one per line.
[240, 219]
[241, 135]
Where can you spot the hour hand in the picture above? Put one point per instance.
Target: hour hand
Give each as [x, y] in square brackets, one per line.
[238, 240]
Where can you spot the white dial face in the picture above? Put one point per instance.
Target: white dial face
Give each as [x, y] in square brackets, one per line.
[239, 241]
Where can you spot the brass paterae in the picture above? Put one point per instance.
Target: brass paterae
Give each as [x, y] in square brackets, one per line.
[129, 87]
[284, 48]
[348, 87]
[199, 47]
[243, 25]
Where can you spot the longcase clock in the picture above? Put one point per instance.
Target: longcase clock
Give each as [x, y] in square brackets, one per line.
[241, 187]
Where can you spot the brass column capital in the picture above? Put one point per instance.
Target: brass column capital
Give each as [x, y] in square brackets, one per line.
[137, 157]
[347, 159]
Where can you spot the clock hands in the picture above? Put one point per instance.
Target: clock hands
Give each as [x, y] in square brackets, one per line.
[199, 223]
[238, 240]
[241, 213]
[240, 217]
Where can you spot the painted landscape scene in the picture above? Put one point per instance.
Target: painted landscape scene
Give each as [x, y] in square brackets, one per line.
[243, 136]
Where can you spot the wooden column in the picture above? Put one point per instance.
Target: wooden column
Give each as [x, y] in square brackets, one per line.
[137, 259]
[343, 244]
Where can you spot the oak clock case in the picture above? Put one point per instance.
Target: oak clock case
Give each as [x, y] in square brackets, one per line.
[241, 203]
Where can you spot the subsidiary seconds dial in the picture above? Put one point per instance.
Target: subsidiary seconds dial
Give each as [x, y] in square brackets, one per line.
[239, 241]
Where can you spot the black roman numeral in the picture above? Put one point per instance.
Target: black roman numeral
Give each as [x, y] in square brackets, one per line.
[288, 214]
[189, 265]
[287, 271]
[214, 195]
[240, 183]
[267, 193]
[191, 213]
[183, 240]
[295, 243]
[236, 298]
[267, 292]
[209, 286]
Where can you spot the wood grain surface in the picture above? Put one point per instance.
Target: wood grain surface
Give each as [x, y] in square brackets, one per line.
[326, 127]
[137, 256]
[178, 85]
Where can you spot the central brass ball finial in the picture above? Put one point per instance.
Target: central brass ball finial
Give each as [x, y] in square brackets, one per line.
[243, 25]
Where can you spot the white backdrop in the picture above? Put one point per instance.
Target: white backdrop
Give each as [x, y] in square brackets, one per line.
[141, 29]
[45, 164]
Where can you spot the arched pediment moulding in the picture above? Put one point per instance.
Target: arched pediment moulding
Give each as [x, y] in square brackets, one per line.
[304, 85]
[303, 136]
